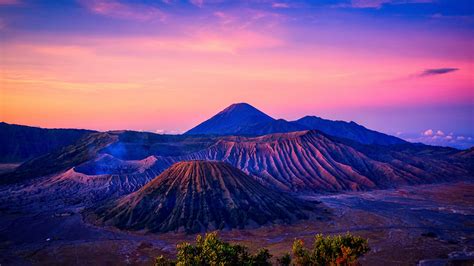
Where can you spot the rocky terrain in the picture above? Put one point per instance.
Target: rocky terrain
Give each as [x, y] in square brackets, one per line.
[307, 161]
[312, 161]
[196, 196]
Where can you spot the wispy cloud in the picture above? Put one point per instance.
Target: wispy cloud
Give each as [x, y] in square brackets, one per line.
[437, 71]
[280, 5]
[197, 3]
[120, 10]
[380, 3]
[9, 2]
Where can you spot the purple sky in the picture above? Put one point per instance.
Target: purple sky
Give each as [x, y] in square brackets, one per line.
[403, 67]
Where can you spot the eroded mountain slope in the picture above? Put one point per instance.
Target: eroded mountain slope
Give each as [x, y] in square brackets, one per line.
[200, 195]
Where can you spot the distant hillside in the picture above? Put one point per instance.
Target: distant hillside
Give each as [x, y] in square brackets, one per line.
[196, 196]
[61, 159]
[274, 126]
[243, 119]
[21, 143]
[348, 130]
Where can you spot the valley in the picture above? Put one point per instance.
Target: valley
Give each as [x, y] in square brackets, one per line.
[434, 222]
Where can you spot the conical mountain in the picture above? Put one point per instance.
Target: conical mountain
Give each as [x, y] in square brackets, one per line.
[233, 119]
[195, 196]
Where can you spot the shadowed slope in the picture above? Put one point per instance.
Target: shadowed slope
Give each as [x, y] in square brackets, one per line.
[20, 143]
[275, 126]
[198, 195]
[82, 151]
[347, 130]
[122, 145]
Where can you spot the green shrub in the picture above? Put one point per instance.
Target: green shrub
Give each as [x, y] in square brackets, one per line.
[284, 260]
[210, 250]
[330, 250]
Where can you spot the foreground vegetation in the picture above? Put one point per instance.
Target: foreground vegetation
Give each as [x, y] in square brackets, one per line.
[210, 250]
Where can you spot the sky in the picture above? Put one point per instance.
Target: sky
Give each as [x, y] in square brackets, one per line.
[403, 67]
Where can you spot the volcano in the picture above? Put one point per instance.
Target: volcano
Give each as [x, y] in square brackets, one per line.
[235, 118]
[195, 196]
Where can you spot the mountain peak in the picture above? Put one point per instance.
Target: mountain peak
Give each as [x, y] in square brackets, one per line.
[244, 109]
[237, 106]
[232, 119]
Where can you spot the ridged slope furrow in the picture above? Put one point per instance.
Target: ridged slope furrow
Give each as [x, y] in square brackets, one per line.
[309, 160]
[196, 195]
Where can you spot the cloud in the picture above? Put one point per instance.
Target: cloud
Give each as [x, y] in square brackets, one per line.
[280, 5]
[437, 71]
[428, 132]
[167, 132]
[120, 10]
[439, 138]
[431, 132]
[380, 3]
[200, 41]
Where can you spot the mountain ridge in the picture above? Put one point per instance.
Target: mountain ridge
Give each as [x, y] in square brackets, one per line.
[19, 143]
[349, 130]
[312, 161]
[254, 122]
